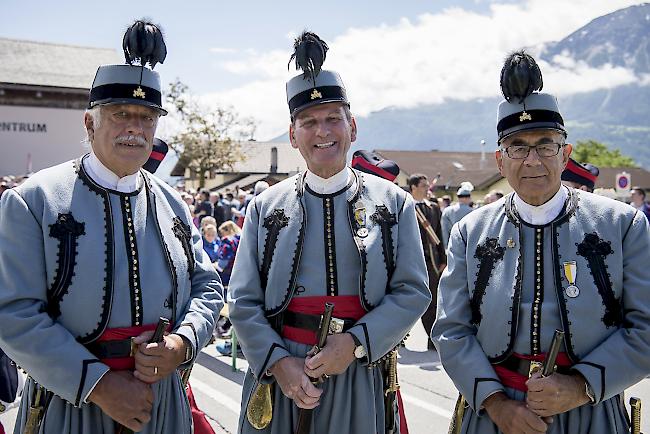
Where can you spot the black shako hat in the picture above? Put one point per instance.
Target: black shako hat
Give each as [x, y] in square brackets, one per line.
[133, 82]
[370, 162]
[524, 107]
[315, 85]
[582, 173]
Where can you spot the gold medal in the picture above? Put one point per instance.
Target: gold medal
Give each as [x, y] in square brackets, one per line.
[360, 213]
[570, 273]
[360, 219]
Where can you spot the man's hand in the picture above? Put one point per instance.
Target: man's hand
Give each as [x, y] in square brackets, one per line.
[155, 361]
[555, 394]
[290, 375]
[334, 359]
[512, 417]
[124, 398]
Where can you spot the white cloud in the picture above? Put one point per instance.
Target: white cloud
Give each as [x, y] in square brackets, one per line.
[455, 54]
[222, 50]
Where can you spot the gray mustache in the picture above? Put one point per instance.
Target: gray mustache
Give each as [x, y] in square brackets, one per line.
[138, 140]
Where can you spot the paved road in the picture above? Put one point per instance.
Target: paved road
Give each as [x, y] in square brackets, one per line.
[428, 393]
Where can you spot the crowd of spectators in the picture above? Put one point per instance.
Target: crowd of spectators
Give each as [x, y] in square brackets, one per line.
[229, 205]
[219, 217]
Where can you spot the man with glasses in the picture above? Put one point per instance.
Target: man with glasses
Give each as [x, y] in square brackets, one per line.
[94, 252]
[544, 257]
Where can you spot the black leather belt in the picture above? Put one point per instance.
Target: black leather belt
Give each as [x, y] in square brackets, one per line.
[113, 349]
[310, 322]
[522, 366]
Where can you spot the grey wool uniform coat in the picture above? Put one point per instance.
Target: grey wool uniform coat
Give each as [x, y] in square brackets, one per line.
[77, 259]
[505, 291]
[278, 259]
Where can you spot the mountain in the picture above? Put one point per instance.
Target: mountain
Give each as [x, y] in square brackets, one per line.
[618, 117]
[620, 39]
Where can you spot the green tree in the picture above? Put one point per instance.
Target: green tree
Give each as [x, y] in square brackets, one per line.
[209, 138]
[600, 155]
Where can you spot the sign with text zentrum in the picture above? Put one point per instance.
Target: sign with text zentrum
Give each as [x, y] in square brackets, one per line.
[33, 138]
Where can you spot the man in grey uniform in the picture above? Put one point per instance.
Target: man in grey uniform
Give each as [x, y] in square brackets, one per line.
[544, 257]
[453, 213]
[330, 234]
[94, 252]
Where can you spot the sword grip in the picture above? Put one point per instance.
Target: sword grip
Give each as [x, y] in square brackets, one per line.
[548, 367]
[160, 330]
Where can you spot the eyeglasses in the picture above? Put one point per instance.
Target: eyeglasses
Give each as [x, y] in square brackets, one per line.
[519, 152]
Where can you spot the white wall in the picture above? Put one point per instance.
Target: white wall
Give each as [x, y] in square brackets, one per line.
[51, 135]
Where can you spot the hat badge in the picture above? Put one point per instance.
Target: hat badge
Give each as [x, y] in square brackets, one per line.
[316, 94]
[138, 93]
[525, 117]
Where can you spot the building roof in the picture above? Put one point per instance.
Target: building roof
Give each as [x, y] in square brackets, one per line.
[638, 177]
[258, 159]
[55, 65]
[453, 167]
[456, 167]
[246, 182]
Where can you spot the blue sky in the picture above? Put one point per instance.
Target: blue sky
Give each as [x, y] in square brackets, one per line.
[389, 53]
[194, 28]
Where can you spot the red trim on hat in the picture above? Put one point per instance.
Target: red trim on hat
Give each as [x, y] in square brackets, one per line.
[158, 156]
[360, 161]
[580, 171]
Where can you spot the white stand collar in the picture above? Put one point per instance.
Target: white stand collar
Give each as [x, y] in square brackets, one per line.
[328, 185]
[542, 214]
[103, 176]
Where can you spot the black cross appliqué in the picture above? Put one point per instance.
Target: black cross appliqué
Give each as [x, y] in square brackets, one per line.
[595, 250]
[488, 253]
[273, 224]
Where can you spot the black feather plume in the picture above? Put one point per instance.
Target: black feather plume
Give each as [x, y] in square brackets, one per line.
[520, 76]
[309, 51]
[144, 42]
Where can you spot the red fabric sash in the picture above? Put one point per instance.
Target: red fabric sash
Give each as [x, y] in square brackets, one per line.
[119, 333]
[345, 306]
[403, 426]
[201, 424]
[517, 381]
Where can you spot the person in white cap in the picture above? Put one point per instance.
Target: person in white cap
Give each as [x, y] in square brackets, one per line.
[454, 213]
[546, 260]
[112, 249]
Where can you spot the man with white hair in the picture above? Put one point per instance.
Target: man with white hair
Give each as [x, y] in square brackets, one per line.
[112, 250]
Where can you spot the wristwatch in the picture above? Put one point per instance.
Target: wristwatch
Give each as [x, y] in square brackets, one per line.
[359, 350]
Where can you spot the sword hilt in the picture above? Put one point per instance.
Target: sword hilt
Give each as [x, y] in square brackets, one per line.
[393, 385]
[635, 407]
[34, 413]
